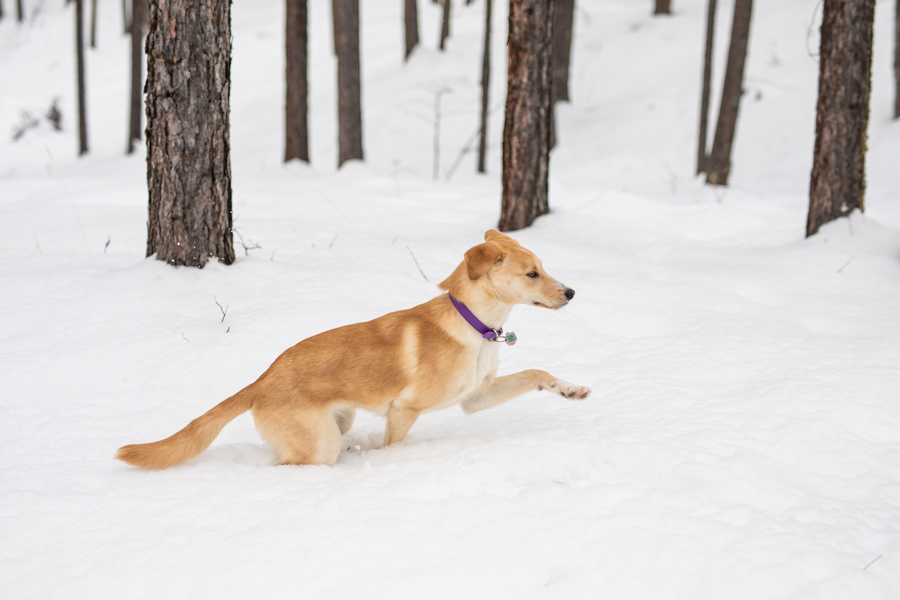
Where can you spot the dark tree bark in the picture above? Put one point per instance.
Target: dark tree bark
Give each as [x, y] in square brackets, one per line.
[445, 23]
[20, 11]
[93, 23]
[663, 7]
[897, 62]
[349, 109]
[138, 29]
[188, 162]
[707, 78]
[410, 25]
[563, 13]
[79, 58]
[718, 165]
[526, 131]
[296, 113]
[838, 178]
[485, 85]
[1, 10]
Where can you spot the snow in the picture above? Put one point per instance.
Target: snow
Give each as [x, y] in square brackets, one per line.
[743, 437]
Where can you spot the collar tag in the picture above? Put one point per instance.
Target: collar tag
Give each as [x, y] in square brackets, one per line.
[488, 333]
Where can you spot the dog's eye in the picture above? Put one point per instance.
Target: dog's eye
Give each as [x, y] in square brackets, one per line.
[533, 274]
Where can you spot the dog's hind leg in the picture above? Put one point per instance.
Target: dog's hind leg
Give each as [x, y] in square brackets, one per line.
[307, 437]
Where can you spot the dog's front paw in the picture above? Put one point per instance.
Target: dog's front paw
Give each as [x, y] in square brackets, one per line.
[570, 390]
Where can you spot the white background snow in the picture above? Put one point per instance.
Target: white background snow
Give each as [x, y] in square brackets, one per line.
[743, 437]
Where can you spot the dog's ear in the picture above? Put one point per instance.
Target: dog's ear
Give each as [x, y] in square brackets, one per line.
[493, 234]
[481, 258]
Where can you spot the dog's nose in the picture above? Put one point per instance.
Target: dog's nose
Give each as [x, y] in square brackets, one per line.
[570, 293]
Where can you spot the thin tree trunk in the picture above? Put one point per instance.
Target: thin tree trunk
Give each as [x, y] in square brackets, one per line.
[93, 23]
[138, 28]
[1, 10]
[663, 7]
[125, 22]
[79, 57]
[707, 78]
[296, 123]
[563, 13]
[897, 62]
[445, 23]
[718, 165]
[20, 11]
[188, 162]
[410, 25]
[838, 178]
[349, 109]
[526, 131]
[485, 85]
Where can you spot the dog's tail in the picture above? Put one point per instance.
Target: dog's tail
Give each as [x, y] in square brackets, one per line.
[190, 441]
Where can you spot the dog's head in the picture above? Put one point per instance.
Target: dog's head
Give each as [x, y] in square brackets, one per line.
[511, 273]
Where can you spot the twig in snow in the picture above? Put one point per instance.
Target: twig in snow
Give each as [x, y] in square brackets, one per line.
[333, 240]
[247, 247]
[872, 562]
[468, 147]
[224, 310]
[846, 263]
[185, 339]
[417, 263]
[106, 245]
[809, 30]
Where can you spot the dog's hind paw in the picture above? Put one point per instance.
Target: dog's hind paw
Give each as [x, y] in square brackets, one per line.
[570, 390]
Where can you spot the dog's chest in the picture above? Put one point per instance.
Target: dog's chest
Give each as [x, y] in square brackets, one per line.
[487, 362]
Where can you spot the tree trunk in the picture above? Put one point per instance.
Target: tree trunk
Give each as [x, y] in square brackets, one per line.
[138, 28]
[20, 11]
[1, 10]
[93, 23]
[707, 78]
[349, 109]
[445, 23]
[842, 113]
[718, 165]
[79, 57]
[125, 21]
[485, 85]
[526, 131]
[663, 7]
[296, 126]
[897, 62]
[188, 162]
[410, 25]
[563, 13]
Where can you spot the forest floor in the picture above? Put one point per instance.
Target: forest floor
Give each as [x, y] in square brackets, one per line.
[743, 437]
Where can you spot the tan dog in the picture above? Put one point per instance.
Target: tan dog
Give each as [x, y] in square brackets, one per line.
[399, 365]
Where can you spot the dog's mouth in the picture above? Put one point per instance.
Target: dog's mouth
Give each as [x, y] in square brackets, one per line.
[557, 307]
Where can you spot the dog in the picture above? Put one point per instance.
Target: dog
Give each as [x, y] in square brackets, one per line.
[438, 354]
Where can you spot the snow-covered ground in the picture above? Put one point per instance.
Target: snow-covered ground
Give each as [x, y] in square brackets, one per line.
[743, 438]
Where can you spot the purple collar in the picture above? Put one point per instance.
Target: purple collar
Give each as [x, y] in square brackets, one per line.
[488, 333]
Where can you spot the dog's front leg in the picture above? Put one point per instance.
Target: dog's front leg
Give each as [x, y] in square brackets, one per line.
[399, 422]
[508, 387]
